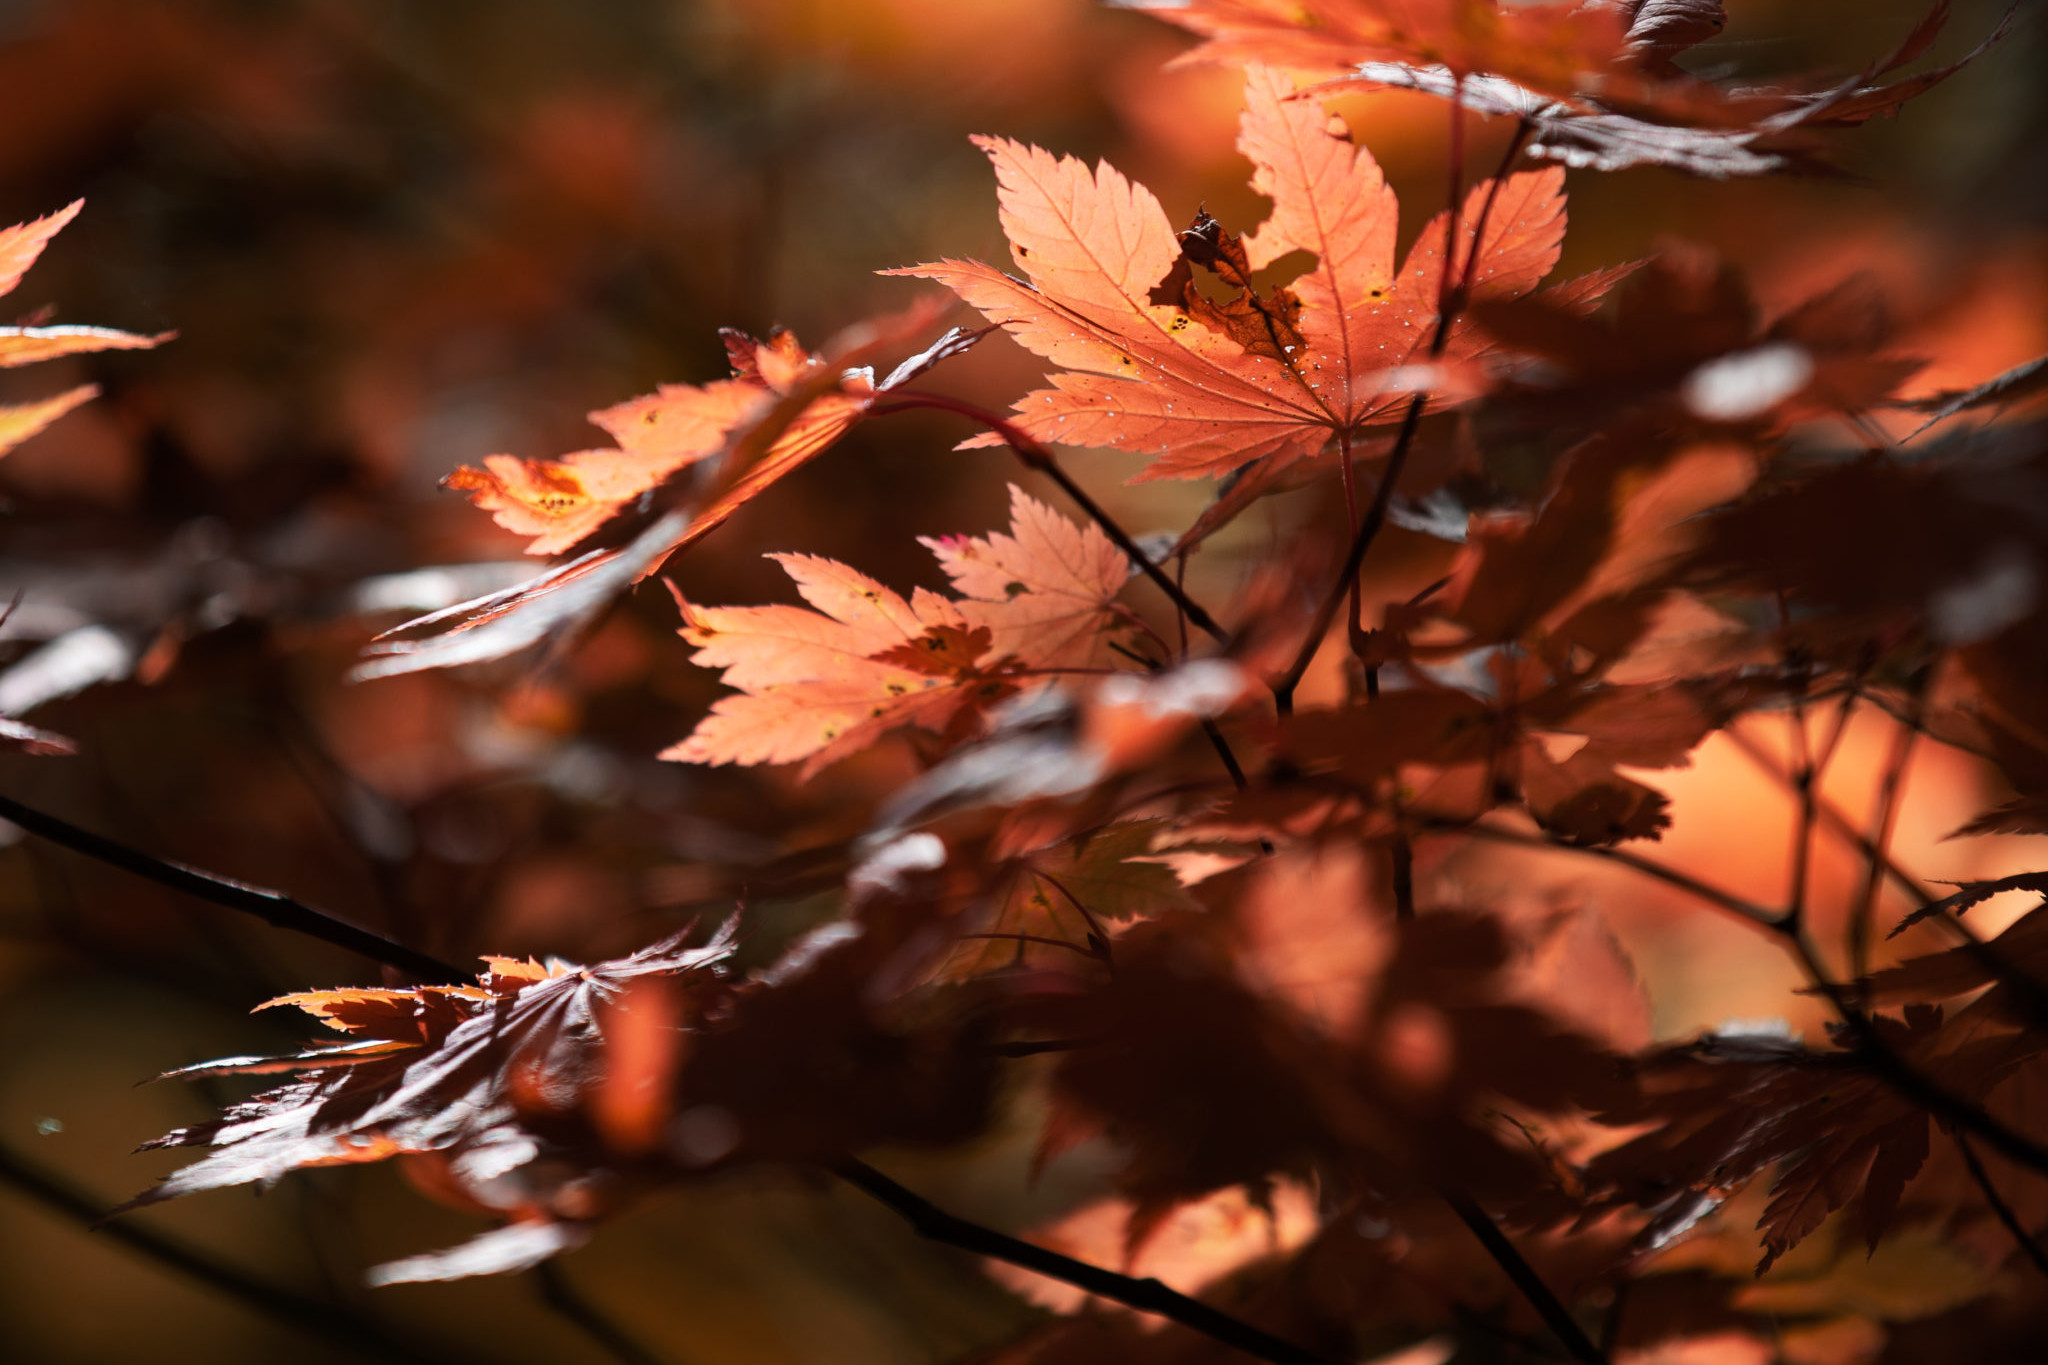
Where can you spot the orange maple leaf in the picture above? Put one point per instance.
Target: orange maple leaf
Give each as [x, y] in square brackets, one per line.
[560, 503]
[1339, 352]
[20, 246]
[819, 685]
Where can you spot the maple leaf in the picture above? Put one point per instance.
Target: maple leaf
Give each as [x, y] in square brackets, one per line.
[1333, 355]
[20, 245]
[489, 1082]
[819, 685]
[552, 607]
[561, 503]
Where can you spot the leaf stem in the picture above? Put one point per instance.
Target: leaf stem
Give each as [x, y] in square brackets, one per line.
[1036, 456]
[273, 907]
[1146, 1295]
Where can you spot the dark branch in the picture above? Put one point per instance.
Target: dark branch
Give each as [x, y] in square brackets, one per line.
[562, 1296]
[1547, 1305]
[1871, 1045]
[1693, 886]
[1147, 1296]
[272, 907]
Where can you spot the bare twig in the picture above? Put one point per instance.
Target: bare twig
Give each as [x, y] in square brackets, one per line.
[1147, 1295]
[1511, 1261]
[1401, 854]
[1871, 1044]
[1877, 845]
[273, 907]
[1806, 772]
[1746, 910]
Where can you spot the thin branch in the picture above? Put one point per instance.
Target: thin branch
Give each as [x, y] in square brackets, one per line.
[562, 1296]
[1036, 456]
[2028, 993]
[1210, 728]
[1224, 752]
[1147, 1295]
[1806, 773]
[1511, 1261]
[1877, 845]
[273, 907]
[1999, 1207]
[1746, 910]
[1872, 1045]
[1834, 817]
[319, 1319]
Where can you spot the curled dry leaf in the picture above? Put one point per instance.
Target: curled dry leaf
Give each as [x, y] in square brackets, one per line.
[492, 1091]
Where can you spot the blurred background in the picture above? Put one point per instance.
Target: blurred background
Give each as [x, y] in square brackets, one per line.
[394, 238]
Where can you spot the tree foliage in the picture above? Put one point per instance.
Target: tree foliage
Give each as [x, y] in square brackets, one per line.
[1107, 869]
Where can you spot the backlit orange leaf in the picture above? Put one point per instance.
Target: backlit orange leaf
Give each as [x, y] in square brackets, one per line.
[560, 503]
[1152, 366]
[819, 685]
[20, 245]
